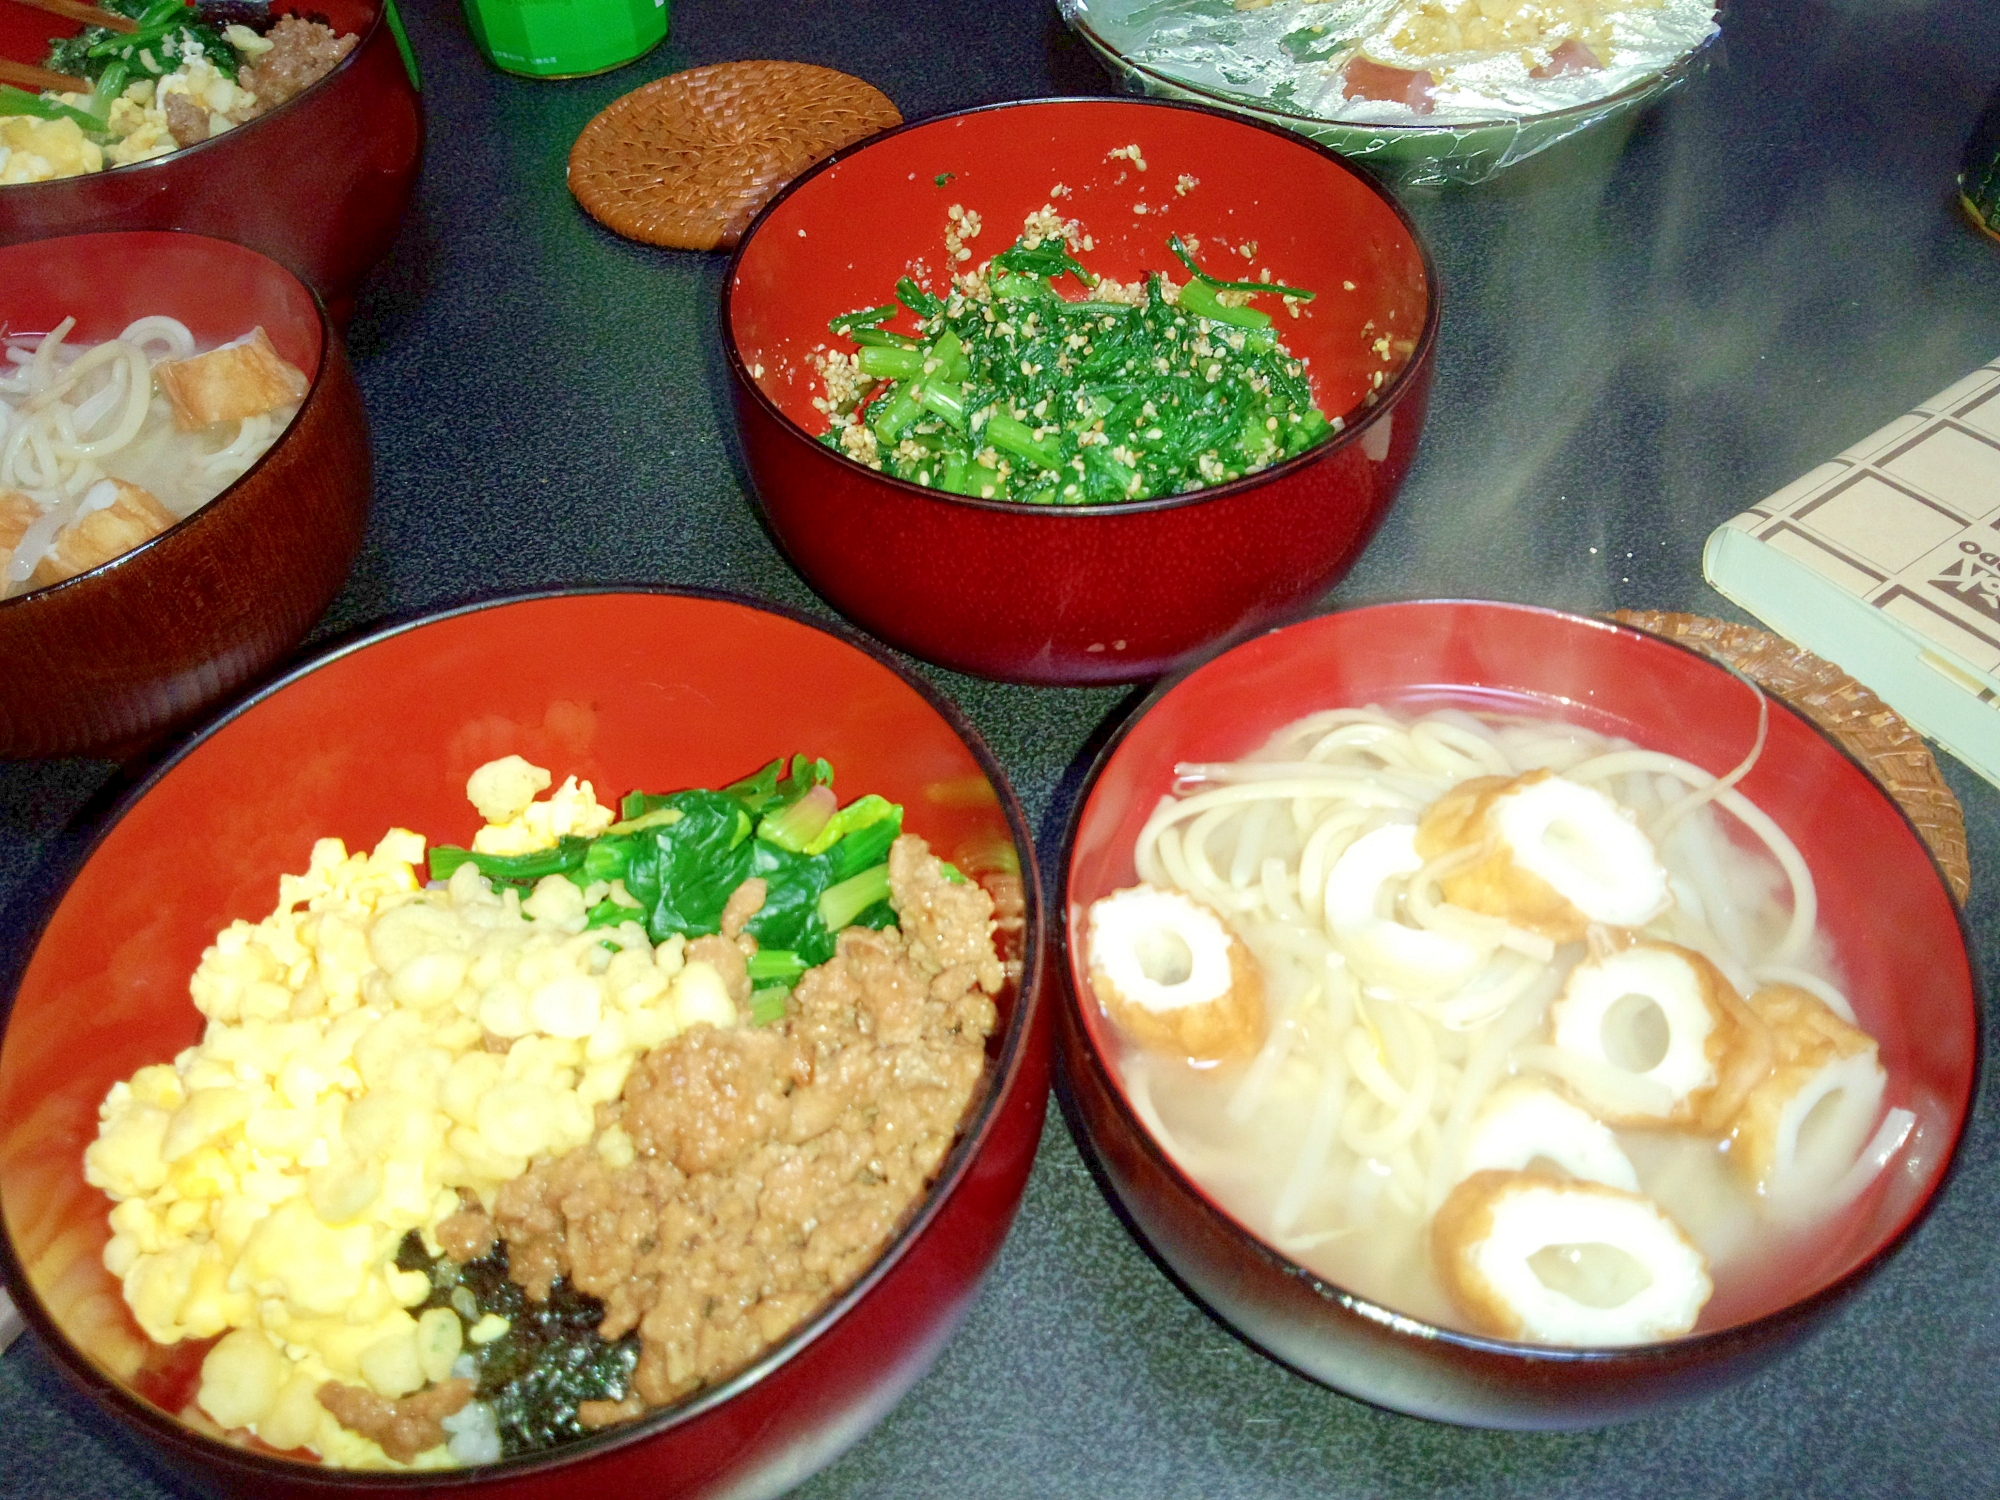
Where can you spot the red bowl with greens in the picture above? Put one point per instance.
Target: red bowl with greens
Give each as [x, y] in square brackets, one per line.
[320, 183]
[1078, 593]
[627, 689]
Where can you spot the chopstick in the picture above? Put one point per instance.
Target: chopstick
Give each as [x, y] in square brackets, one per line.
[76, 10]
[38, 80]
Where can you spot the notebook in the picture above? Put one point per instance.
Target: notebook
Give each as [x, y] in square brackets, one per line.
[1886, 561]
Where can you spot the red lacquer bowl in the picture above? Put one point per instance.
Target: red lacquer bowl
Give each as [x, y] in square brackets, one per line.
[320, 184]
[1896, 934]
[654, 690]
[111, 657]
[1103, 593]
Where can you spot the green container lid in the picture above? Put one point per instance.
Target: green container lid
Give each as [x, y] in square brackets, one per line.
[565, 38]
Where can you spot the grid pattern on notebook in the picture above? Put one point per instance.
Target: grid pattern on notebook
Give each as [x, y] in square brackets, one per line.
[1908, 520]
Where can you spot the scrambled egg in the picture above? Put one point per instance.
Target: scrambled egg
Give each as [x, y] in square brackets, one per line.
[372, 1048]
[37, 150]
[504, 791]
[138, 118]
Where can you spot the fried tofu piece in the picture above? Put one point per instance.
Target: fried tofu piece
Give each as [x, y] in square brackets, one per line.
[17, 514]
[132, 517]
[227, 384]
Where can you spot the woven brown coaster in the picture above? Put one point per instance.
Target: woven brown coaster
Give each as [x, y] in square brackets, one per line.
[687, 160]
[1873, 733]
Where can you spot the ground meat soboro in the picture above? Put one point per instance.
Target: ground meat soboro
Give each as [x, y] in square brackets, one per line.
[302, 52]
[404, 1428]
[771, 1165]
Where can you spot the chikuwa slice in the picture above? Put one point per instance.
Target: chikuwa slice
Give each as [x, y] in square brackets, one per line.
[1804, 1123]
[1653, 1034]
[1173, 977]
[1544, 853]
[1526, 1256]
[1524, 1122]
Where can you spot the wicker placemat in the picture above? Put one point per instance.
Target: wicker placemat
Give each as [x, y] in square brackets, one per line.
[1873, 732]
[687, 160]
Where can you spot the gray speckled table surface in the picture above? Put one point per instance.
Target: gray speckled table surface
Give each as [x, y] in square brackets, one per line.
[1636, 344]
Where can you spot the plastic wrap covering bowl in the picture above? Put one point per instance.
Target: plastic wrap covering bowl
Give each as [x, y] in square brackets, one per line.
[1097, 592]
[1896, 935]
[626, 689]
[1420, 153]
[320, 183]
[112, 657]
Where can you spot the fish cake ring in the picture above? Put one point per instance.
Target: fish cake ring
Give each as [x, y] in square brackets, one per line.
[686, 161]
[1489, 1237]
[1173, 977]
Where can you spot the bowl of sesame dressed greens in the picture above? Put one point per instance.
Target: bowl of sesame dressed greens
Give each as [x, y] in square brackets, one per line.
[294, 130]
[1089, 385]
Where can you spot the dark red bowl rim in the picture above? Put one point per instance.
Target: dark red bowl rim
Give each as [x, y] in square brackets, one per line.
[1011, 1058]
[194, 519]
[1721, 1341]
[362, 39]
[1350, 433]
[1668, 76]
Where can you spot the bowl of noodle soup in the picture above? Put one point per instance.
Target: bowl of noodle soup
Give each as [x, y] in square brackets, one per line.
[159, 545]
[1441, 1158]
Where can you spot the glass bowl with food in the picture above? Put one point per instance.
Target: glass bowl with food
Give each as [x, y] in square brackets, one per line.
[589, 1038]
[1059, 391]
[1427, 92]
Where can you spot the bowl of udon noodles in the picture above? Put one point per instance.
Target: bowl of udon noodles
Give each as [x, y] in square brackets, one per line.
[184, 480]
[1506, 1017]
[311, 159]
[490, 1181]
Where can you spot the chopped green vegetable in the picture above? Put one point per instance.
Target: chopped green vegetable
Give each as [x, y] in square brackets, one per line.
[15, 101]
[867, 317]
[1296, 293]
[1007, 390]
[767, 1004]
[916, 299]
[1313, 44]
[679, 857]
[840, 905]
[168, 34]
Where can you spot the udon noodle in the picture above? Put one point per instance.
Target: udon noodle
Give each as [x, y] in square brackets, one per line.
[1440, 1057]
[103, 446]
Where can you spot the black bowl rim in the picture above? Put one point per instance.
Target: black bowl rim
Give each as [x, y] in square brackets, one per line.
[1666, 77]
[1387, 399]
[328, 336]
[1007, 1067]
[362, 39]
[1721, 1341]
